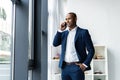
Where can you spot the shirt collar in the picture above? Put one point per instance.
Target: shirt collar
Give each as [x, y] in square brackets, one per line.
[74, 29]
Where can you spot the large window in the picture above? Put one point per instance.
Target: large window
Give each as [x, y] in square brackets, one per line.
[5, 38]
[23, 37]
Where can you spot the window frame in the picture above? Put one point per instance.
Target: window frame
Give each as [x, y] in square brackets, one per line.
[20, 40]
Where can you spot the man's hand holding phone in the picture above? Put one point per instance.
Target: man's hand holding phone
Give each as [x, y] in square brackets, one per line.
[63, 26]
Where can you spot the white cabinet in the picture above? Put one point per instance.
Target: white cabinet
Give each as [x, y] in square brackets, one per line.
[55, 70]
[99, 64]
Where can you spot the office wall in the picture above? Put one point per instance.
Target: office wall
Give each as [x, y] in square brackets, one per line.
[102, 18]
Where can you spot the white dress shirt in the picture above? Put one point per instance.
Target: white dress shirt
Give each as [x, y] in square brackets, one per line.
[71, 54]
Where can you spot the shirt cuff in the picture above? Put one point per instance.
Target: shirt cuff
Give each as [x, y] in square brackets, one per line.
[85, 65]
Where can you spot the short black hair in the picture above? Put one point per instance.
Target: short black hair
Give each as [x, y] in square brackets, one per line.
[74, 14]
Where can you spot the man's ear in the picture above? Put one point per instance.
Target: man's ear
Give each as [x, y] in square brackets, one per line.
[76, 19]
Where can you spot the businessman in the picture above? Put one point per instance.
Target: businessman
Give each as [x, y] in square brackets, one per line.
[77, 49]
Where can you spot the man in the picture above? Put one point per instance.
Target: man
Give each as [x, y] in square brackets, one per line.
[77, 49]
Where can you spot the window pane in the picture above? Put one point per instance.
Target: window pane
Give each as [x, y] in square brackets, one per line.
[5, 38]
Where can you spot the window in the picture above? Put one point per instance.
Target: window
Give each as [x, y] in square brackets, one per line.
[5, 38]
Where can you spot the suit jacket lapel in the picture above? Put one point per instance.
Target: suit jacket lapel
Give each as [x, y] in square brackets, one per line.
[76, 35]
[66, 36]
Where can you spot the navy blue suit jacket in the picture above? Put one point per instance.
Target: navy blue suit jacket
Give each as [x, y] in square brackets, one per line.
[83, 45]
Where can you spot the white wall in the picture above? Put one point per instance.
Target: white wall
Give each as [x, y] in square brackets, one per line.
[102, 18]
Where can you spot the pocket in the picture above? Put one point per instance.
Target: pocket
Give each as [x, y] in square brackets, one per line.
[79, 68]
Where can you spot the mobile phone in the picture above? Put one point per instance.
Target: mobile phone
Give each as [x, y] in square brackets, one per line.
[65, 24]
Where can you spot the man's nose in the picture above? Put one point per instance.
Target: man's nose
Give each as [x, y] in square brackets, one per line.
[67, 21]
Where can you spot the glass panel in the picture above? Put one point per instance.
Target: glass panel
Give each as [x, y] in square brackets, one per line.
[5, 38]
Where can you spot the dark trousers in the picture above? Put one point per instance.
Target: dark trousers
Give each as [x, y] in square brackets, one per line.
[72, 72]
